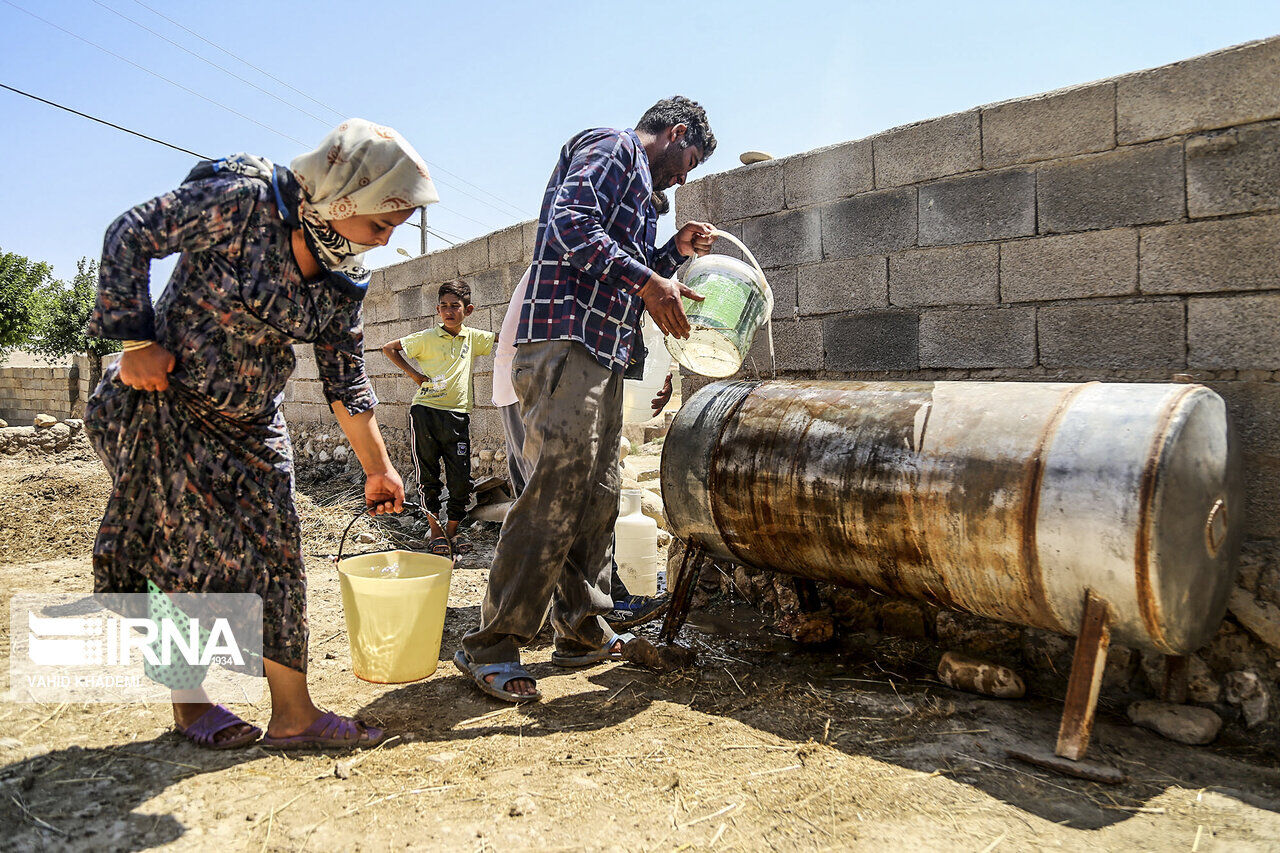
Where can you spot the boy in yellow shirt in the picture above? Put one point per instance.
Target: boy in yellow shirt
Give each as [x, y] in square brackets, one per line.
[440, 417]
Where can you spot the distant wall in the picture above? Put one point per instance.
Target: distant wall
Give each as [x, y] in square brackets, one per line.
[1127, 229]
[29, 391]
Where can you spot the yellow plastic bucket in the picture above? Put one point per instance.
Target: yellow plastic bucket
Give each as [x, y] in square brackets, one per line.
[394, 605]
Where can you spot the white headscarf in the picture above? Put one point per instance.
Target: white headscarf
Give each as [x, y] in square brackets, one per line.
[359, 168]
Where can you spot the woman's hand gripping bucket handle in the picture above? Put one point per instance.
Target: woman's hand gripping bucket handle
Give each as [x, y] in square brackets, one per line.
[407, 505]
[768, 293]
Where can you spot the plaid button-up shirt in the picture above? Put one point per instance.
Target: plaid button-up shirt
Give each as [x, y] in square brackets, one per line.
[594, 249]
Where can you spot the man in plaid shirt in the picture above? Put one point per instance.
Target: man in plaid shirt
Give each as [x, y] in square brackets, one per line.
[595, 268]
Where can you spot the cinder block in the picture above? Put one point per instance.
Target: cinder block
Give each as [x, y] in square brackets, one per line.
[828, 174]
[486, 428]
[931, 149]
[482, 389]
[409, 275]
[1255, 411]
[1234, 171]
[1125, 187]
[1115, 336]
[836, 286]
[872, 340]
[986, 206]
[1240, 332]
[412, 302]
[472, 256]
[1204, 257]
[305, 368]
[442, 266]
[783, 284]
[978, 337]
[868, 224]
[797, 347]
[530, 241]
[491, 287]
[792, 237]
[691, 202]
[746, 191]
[1057, 124]
[953, 275]
[1233, 86]
[1071, 266]
[1261, 496]
[506, 246]
[482, 318]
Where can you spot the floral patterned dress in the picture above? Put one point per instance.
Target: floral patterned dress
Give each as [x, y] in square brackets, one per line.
[202, 497]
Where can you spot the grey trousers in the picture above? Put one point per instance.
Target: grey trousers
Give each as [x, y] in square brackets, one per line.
[517, 467]
[571, 407]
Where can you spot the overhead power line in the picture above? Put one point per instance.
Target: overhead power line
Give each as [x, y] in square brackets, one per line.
[155, 74]
[104, 121]
[511, 208]
[209, 62]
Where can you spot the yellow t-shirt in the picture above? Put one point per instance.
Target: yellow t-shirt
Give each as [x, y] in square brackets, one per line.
[445, 360]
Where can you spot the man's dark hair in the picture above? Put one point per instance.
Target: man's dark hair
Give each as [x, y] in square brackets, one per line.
[661, 203]
[458, 288]
[680, 110]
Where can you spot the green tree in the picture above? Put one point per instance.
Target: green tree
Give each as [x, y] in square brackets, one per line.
[23, 285]
[62, 332]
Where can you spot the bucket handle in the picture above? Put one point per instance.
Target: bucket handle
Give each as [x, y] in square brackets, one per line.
[768, 321]
[407, 505]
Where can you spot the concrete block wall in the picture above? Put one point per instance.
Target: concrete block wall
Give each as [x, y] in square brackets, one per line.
[29, 391]
[401, 300]
[1126, 229]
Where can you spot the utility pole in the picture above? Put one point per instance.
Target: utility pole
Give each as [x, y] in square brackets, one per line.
[422, 230]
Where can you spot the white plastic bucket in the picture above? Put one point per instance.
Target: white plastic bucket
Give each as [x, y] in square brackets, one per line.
[737, 303]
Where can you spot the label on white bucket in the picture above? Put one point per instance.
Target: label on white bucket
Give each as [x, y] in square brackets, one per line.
[726, 299]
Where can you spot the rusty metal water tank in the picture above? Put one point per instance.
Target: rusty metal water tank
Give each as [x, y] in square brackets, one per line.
[1009, 500]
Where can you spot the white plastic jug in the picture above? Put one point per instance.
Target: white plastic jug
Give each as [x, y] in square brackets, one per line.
[636, 546]
[637, 394]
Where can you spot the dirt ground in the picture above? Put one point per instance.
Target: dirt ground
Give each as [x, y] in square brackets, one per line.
[765, 745]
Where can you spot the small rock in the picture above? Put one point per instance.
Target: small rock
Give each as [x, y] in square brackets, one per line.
[624, 448]
[342, 769]
[323, 456]
[523, 806]
[9, 743]
[651, 474]
[486, 456]
[979, 676]
[500, 456]
[651, 505]
[330, 656]
[1246, 690]
[630, 482]
[902, 619]
[808, 628]
[44, 421]
[475, 461]
[1183, 723]
[75, 424]
[665, 658]
[1202, 687]
[340, 453]
[663, 538]
[4, 424]
[308, 448]
[364, 537]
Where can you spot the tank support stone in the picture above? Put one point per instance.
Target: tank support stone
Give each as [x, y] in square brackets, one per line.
[1086, 678]
[1175, 679]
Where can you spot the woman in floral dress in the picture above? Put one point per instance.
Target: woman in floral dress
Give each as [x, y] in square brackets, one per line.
[189, 421]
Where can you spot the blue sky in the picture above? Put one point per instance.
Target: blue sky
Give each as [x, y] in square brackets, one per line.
[489, 91]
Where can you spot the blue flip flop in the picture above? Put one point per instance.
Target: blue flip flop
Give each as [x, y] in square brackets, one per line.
[504, 672]
[600, 655]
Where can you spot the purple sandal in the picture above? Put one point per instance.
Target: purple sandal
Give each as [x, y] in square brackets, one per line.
[204, 731]
[330, 731]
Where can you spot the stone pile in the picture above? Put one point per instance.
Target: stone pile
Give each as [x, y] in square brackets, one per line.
[46, 435]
